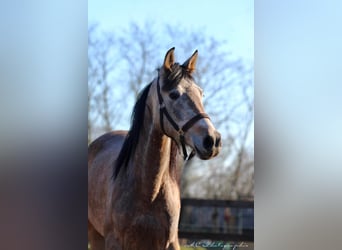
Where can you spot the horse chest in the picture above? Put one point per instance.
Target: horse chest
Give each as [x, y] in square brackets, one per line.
[155, 222]
[156, 227]
[157, 215]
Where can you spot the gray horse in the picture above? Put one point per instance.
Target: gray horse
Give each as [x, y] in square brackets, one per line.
[134, 176]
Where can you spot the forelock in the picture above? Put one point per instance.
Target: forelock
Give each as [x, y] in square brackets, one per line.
[172, 79]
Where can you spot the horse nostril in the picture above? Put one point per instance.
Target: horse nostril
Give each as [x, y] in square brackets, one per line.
[218, 140]
[208, 142]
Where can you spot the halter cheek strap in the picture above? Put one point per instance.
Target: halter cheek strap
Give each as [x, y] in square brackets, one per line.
[181, 131]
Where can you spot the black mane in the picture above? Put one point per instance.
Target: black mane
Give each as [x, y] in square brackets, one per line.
[131, 141]
[128, 148]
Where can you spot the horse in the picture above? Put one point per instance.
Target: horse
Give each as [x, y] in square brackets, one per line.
[134, 176]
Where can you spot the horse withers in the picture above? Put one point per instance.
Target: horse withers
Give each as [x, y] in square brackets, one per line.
[134, 176]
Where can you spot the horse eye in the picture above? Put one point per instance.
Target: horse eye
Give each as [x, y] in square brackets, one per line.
[174, 95]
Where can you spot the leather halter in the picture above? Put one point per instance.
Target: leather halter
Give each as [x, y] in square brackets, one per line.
[181, 131]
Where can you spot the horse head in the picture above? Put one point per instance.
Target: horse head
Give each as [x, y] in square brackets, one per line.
[181, 111]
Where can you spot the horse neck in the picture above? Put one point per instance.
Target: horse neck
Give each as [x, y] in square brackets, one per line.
[156, 160]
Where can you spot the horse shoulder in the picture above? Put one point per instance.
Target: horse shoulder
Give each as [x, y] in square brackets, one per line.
[100, 170]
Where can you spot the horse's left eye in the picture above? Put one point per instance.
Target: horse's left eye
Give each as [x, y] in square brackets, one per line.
[174, 95]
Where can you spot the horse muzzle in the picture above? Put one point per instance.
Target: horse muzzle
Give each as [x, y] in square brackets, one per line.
[208, 146]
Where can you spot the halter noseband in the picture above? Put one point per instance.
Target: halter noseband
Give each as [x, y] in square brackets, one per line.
[181, 131]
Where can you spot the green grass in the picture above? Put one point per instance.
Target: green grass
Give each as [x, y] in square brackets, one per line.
[193, 248]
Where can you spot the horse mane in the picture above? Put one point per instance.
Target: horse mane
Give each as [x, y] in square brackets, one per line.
[137, 119]
[132, 137]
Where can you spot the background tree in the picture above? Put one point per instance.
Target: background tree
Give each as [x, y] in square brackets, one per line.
[122, 63]
[102, 111]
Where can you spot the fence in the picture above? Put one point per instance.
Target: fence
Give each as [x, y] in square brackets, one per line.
[224, 220]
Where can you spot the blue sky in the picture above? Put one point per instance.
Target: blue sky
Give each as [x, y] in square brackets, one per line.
[232, 21]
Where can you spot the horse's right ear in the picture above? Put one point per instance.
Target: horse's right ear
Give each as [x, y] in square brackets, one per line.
[169, 59]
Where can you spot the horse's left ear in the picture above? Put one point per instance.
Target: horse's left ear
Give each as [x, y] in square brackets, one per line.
[190, 64]
[169, 59]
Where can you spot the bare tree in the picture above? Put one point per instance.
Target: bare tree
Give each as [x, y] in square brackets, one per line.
[228, 86]
[101, 67]
[128, 62]
[138, 57]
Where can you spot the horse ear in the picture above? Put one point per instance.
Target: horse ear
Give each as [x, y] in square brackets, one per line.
[169, 59]
[190, 64]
